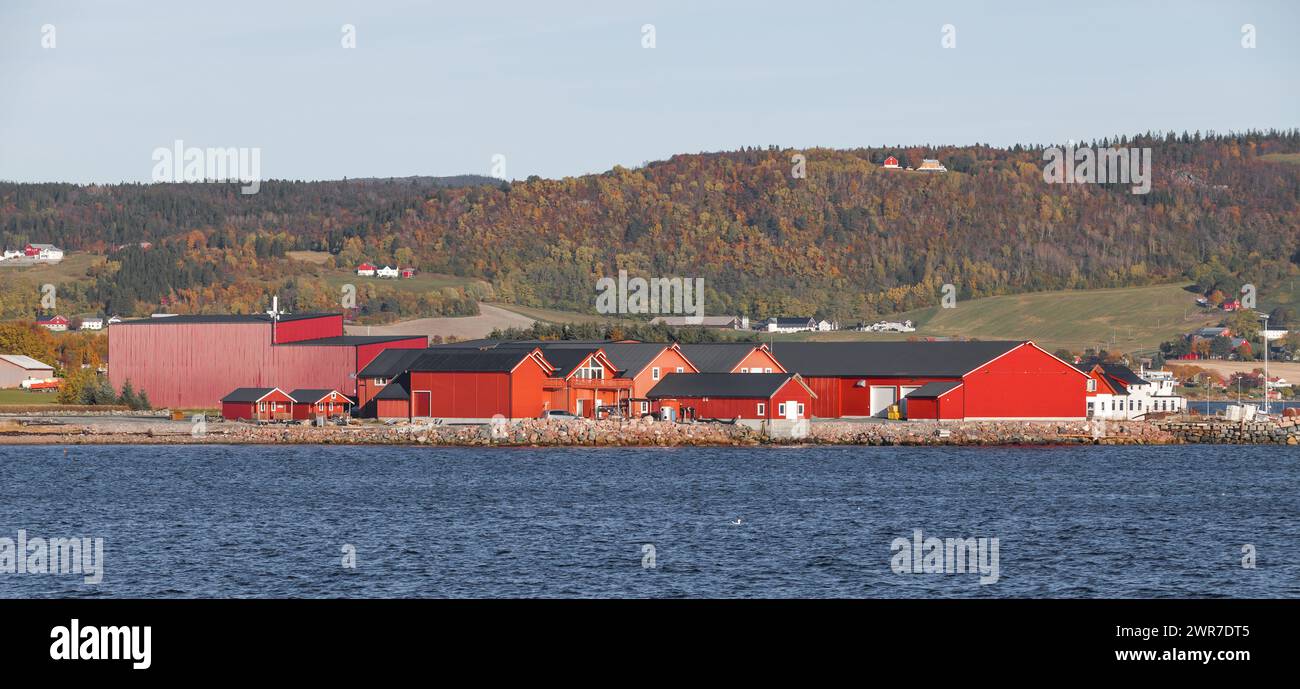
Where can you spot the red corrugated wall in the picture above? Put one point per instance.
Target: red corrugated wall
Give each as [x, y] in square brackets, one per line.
[527, 398]
[194, 365]
[459, 395]
[330, 325]
[1027, 383]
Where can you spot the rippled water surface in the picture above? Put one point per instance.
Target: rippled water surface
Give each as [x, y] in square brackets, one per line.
[240, 521]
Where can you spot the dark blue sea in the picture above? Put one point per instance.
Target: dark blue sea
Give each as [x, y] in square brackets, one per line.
[244, 521]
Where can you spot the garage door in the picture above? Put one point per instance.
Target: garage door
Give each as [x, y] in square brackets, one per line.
[903, 392]
[881, 397]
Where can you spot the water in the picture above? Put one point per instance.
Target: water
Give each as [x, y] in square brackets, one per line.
[1219, 406]
[221, 521]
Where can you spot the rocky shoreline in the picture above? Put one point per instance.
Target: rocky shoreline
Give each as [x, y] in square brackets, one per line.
[647, 432]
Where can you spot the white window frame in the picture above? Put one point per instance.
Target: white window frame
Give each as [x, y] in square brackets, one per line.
[681, 369]
[654, 373]
[1092, 385]
[801, 409]
[744, 370]
[780, 410]
[767, 370]
[762, 409]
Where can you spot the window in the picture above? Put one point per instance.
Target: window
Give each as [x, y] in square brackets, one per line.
[762, 409]
[681, 370]
[592, 371]
[645, 407]
[801, 409]
[767, 370]
[780, 409]
[1092, 385]
[381, 381]
[654, 373]
[744, 370]
[261, 406]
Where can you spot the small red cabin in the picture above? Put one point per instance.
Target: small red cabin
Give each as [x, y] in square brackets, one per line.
[311, 403]
[891, 162]
[257, 404]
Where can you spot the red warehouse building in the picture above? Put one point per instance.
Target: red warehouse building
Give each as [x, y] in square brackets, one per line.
[585, 377]
[756, 397]
[996, 380]
[467, 386]
[192, 361]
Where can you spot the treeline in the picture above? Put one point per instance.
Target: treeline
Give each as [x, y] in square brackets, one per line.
[849, 240]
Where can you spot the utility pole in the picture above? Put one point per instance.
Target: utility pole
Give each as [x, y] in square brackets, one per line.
[1263, 335]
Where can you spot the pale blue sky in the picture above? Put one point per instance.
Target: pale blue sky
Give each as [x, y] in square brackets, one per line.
[565, 88]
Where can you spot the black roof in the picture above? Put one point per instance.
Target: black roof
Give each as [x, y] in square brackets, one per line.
[311, 395]
[935, 389]
[758, 385]
[390, 363]
[887, 358]
[398, 389]
[565, 359]
[1123, 373]
[468, 360]
[718, 357]
[247, 394]
[223, 318]
[350, 340]
[1119, 376]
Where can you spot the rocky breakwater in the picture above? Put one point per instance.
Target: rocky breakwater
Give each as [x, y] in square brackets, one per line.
[1263, 431]
[1093, 432]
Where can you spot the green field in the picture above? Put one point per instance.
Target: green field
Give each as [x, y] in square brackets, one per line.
[16, 396]
[1126, 319]
[1293, 158]
[72, 267]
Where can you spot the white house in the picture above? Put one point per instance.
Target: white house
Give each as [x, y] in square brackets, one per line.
[386, 272]
[825, 325]
[11, 253]
[92, 324]
[1116, 392]
[1275, 333]
[790, 325]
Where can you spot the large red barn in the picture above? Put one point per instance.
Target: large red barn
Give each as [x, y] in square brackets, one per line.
[192, 361]
[995, 380]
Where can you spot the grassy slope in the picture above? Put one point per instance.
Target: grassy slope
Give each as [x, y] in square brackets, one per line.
[71, 268]
[16, 396]
[1136, 319]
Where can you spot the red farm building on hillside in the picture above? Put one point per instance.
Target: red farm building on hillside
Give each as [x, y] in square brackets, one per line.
[748, 397]
[993, 380]
[192, 361]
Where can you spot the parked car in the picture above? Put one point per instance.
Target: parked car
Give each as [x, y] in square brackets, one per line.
[558, 414]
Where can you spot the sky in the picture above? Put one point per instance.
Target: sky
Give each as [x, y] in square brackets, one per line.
[561, 88]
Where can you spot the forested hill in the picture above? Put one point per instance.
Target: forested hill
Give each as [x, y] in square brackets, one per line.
[849, 240]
